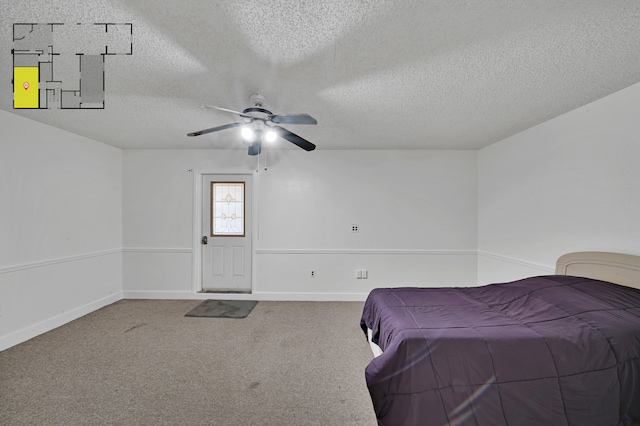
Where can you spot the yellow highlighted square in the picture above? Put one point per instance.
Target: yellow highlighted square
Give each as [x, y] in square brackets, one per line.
[25, 87]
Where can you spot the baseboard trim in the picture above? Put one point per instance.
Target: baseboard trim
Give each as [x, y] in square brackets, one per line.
[37, 329]
[49, 262]
[260, 296]
[544, 268]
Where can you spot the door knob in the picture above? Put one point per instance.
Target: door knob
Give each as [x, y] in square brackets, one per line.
[204, 240]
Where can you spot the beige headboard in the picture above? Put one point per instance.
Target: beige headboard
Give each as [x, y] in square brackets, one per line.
[623, 269]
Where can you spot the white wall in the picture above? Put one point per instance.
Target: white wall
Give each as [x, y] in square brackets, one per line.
[60, 227]
[70, 205]
[416, 210]
[570, 184]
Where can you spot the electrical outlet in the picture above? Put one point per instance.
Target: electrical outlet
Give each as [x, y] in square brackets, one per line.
[362, 274]
[313, 273]
[355, 228]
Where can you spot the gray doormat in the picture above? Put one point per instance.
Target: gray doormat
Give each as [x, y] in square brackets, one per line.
[223, 309]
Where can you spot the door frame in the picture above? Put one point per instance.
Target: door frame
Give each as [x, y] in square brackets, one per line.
[196, 270]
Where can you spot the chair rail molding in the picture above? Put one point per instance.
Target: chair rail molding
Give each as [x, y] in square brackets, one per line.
[48, 262]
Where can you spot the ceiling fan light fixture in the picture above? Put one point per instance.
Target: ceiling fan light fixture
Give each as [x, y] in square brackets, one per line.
[270, 136]
[248, 134]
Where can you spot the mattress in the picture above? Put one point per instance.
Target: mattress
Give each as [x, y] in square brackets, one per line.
[551, 350]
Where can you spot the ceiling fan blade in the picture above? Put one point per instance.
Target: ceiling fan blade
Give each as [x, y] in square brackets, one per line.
[255, 148]
[215, 129]
[294, 139]
[293, 119]
[241, 114]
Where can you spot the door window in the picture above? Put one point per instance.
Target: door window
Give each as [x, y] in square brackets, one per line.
[227, 209]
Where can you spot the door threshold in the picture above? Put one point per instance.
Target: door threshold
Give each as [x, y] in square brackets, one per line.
[225, 292]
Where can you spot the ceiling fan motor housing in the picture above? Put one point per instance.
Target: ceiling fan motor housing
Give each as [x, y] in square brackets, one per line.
[257, 100]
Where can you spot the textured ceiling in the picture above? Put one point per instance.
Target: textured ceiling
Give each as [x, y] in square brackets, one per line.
[433, 74]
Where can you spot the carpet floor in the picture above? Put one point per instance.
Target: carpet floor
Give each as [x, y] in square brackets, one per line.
[143, 362]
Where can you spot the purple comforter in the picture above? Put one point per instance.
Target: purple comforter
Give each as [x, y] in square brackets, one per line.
[551, 350]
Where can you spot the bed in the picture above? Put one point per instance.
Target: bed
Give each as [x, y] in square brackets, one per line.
[560, 349]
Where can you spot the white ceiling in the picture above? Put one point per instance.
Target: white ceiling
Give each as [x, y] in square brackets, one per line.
[433, 74]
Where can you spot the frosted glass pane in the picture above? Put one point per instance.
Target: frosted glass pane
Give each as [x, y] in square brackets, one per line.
[227, 209]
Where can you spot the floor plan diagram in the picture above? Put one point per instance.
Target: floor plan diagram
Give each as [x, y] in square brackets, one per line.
[62, 66]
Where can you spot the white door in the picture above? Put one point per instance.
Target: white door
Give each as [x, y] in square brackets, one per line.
[226, 236]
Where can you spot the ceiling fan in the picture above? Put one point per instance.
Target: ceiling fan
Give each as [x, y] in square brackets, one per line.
[262, 124]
